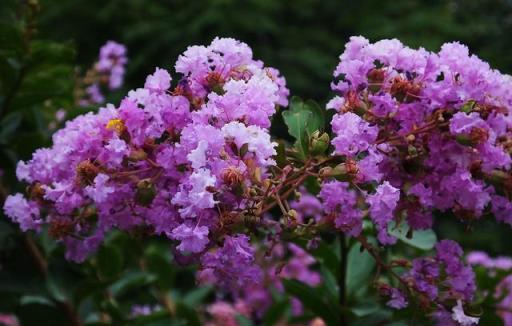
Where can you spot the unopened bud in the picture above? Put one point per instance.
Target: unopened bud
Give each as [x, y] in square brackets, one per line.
[215, 82]
[36, 191]
[146, 192]
[138, 155]
[319, 143]
[232, 176]
[325, 172]
[292, 214]
[468, 107]
[86, 171]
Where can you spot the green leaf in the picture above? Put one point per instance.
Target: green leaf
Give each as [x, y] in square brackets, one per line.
[8, 125]
[187, 313]
[197, 296]
[302, 119]
[313, 300]
[131, 281]
[359, 269]
[159, 263]
[275, 312]
[422, 239]
[365, 308]
[110, 261]
[243, 321]
[330, 283]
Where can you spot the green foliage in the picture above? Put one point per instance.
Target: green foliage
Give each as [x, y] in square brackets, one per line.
[302, 120]
[360, 266]
[314, 300]
[423, 239]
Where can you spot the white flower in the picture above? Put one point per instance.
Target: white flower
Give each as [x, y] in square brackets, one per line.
[459, 316]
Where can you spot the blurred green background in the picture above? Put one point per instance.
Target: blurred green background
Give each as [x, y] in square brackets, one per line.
[40, 51]
[303, 38]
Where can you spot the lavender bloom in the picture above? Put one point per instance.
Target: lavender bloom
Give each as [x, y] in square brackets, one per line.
[177, 161]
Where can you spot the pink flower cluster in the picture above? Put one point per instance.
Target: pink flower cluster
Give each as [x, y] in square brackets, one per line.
[107, 72]
[422, 132]
[176, 161]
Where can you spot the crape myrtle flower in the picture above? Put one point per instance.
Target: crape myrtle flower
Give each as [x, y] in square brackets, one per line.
[434, 125]
[174, 160]
[435, 283]
[107, 73]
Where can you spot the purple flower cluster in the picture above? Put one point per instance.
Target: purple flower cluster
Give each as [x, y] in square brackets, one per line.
[108, 72]
[480, 258]
[112, 63]
[434, 125]
[436, 281]
[254, 298]
[178, 161]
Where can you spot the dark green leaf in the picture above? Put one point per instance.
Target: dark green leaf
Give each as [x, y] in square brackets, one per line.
[275, 313]
[313, 300]
[359, 269]
[110, 261]
[302, 119]
[190, 315]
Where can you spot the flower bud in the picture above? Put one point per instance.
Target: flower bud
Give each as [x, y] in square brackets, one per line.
[468, 107]
[319, 143]
[60, 228]
[36, 192]
[232, 176]
[215, 82]
[86, 171]
[145, 193]
[137, 155]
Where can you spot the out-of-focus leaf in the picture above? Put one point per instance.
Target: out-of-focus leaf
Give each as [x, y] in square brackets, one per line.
[276, 311]
[243, 321]
[159, 263]
[131, 281]
[359, 268]
[33, 299]
[8, 125]
[313, 300]
[329, 283]
[196, 296]
[365, 308]
[187, 313]
[376, 318]
[155, 318]
[110, 261]
[421, 239]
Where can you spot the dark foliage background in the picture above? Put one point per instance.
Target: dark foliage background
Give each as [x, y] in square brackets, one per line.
[42, 44]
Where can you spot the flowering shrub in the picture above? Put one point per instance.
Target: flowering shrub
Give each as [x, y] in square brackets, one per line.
[415, 135]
